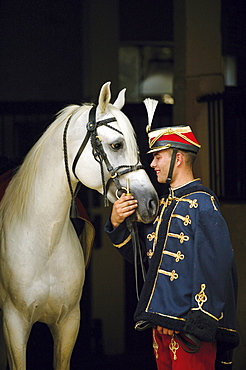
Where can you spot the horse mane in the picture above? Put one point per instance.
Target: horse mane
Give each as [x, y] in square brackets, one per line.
[20, 186]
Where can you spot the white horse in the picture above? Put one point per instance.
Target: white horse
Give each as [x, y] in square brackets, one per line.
[42, 264]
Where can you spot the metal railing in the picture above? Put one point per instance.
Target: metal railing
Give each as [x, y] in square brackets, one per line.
[227, 138]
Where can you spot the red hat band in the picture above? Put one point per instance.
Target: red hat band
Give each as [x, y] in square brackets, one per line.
[180, 137]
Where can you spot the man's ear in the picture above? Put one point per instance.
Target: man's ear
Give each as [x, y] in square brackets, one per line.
[179, 158]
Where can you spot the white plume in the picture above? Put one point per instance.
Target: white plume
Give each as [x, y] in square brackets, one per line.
[150, 105]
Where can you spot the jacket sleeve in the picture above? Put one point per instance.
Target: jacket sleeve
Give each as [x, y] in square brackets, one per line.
[212, 264]
[121, 239]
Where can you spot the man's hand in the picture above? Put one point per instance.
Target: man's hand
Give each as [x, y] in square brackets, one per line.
[162, 330]
[124, 207]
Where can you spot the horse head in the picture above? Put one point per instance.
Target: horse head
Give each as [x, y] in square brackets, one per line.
[109, 162]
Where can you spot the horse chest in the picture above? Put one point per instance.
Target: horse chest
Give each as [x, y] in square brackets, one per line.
[44, 277]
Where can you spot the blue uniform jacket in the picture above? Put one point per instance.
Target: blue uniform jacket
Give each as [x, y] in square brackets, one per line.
[191, 283]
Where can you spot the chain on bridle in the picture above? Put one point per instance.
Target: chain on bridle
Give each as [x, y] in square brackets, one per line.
[99, 155]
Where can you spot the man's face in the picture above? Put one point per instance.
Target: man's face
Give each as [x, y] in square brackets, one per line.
[160, 164]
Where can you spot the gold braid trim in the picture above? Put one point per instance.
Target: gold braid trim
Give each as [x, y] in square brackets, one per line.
[186, 220]
[182, 237]
[226, 363]
[159, 221]
[170, 131]
[201, 298]
[155, 345]
[187, 139]
[173, 274]
[173, 346]
[124, 242]
[193, 202]
[221, 327]
[178, 256]
[151, 143]
[213, 203]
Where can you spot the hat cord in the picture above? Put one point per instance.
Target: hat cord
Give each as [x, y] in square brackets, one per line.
[175, 132]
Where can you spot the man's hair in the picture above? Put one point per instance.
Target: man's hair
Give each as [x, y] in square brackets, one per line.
[189, 157]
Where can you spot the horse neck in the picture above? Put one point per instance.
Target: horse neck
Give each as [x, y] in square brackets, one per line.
[48, 199]
[52, 197]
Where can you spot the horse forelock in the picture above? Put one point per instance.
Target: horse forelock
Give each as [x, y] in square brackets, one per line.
[18, 192]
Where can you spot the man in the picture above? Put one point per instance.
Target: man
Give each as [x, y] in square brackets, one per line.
[189, 295]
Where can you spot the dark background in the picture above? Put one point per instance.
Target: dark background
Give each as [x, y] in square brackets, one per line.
[41, 68]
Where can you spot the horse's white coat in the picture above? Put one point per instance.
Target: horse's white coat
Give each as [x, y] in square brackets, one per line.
[41, 260]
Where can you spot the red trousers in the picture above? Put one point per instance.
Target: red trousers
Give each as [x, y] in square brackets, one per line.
[170, 355]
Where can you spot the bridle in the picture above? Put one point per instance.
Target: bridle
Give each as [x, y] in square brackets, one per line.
[99, 155]
[115, 172]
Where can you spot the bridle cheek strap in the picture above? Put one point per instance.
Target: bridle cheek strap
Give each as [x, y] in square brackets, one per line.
[90, 124]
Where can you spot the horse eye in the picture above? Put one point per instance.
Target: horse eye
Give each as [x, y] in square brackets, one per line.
[116, 146]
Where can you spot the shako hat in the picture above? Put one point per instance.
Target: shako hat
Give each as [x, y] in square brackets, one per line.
[179, 137]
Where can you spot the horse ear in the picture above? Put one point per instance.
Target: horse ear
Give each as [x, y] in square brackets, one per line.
[104, 97]
[120, 101]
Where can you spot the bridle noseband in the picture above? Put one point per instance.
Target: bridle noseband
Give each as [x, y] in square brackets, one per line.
[99, 155]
